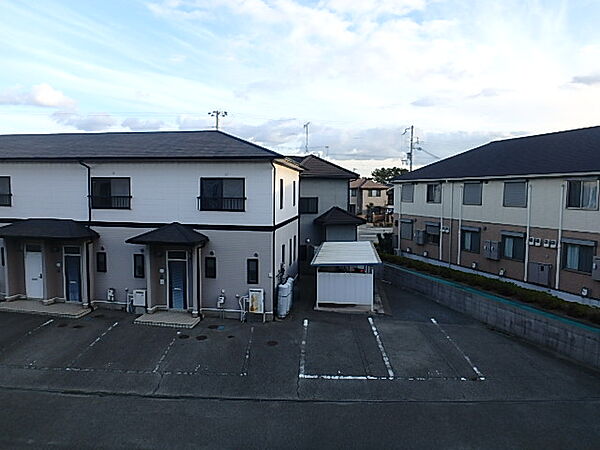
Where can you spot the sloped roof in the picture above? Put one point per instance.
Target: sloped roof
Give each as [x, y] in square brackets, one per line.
[338, 216]
[354, 253]
[366, 183]
[209, 144]
[563, 152]
[48, 229]
[316, 167]
[171, 234]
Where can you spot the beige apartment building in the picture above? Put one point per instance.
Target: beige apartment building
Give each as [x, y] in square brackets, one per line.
[524, 208]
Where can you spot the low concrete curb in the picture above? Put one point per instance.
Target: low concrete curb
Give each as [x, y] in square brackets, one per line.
[565, 336]
[63, 310]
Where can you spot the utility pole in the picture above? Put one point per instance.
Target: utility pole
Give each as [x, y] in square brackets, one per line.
[306, 140]
[216, 113]
[409, 155]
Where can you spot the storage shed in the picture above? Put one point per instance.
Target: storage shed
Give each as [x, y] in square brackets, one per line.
[345, 273]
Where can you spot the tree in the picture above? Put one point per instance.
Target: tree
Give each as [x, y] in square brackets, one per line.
[385, 174]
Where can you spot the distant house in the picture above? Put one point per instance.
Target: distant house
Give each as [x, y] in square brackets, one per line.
[366, 195]
[323, 204]
[523, 208]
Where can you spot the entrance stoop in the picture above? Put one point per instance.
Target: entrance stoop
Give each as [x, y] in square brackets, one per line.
[168, 319]
[66, 310]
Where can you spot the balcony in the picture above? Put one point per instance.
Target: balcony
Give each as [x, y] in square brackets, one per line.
[112, 202]
[222, 203]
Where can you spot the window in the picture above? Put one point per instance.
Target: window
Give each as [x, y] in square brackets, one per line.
[295, 245]
[252, 271]
[282, 253]
[515, 194]
[472, 193]
[353, 192]
[210, 267]
[290, 259]
[374, 193]
[582, 194]
[578, 257]
[406, 230]
[434, 193]
[281, 193]
[309, 205]
[303, 252]
[5, 194]
[470, 240]
[513, 247]
[2, 256]
[294, 193]
[407, 193]
[111, 193]
[222, 194]
[432, 233]
[100, 261]
[138, 266]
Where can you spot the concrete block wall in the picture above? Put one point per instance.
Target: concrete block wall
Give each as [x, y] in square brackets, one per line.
[567, 337]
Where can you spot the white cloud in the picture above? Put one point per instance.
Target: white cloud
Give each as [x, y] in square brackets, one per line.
[135, 124]
[38, 95]
[89, 122]
[586, 79]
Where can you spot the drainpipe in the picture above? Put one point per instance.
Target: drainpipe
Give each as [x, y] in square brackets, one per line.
[440, 254]
[399, 201]
[528, 231]
[89, 187]
[273, 277]
[87, 249]
[451, 223]
[460, 210]
[560, 230]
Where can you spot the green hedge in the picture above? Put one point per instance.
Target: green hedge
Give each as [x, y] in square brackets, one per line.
[543, 300]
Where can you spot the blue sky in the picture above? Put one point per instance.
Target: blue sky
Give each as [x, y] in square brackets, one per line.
[463, 72]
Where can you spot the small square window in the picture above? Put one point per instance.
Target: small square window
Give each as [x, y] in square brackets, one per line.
[470, 241]
[5, 193]
[582, 194]
[309, 205]
[407, 193]
[434, 193]
[472, 193]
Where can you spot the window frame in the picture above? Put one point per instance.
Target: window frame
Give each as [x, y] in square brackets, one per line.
[94, 199]
[250, 261]
[243, 198]
[294, 193]
[525, 200]
[302, 209]
[213, 272]
[433, 238]
[101, 262]
[353, 192]
[281, 196]
[582, 181]
[473, 183]
[463, 240]
[437, 188]
[412, 193]
[412, 229]
[503, 245]
[137, 257]
[6, 198]
[579, 269]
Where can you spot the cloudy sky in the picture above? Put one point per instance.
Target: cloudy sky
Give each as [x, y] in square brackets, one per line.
[463, 72]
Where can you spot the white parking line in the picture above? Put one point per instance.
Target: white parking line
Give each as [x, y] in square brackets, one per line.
[94, 342]
[247, 356]
[475, 369]
[384, 355]
[164, 355]
[303, 349]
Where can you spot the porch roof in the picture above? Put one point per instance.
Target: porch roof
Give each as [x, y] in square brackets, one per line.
[48, 229]
[337, 216]
[354, 253]
[171, 234]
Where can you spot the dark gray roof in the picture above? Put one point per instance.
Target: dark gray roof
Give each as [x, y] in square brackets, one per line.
[316, 167]
[171, 234]
[134, 145]
[338, 216]
[564, 152]
[48, 229]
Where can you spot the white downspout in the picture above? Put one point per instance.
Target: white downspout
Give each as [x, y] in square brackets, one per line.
[460, 210]
[560, 230]
[440, 254]
[526, 271]
[398, 200]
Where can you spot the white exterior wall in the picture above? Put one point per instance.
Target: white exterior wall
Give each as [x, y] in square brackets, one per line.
[289, 208]
[546, 206]
[283, 236]
[57, 190]
[168, 191]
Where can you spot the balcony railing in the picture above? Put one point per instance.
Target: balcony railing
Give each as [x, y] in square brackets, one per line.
[112, 202]
[5, 199]
[222, 203]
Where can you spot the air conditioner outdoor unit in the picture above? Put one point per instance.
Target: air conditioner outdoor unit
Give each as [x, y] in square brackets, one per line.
[139, 297]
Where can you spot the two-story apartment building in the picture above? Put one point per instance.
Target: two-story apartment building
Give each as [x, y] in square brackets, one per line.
[367, 195]
[183, 217]
[523, 208]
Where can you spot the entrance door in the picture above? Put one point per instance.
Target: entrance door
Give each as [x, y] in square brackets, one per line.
[34, 284]
[177, 284]
[72, 276]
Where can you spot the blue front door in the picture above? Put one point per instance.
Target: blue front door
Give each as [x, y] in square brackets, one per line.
[177, 284]
[73, 277]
